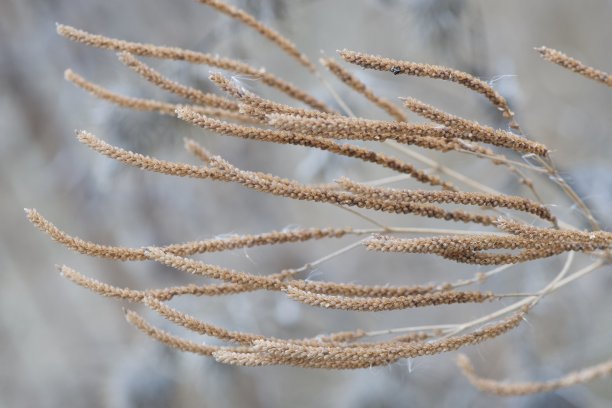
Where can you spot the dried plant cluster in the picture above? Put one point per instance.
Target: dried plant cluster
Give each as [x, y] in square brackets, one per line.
[520, 229]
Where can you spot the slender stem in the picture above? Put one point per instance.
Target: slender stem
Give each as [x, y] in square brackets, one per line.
[578, 274]
[363, 216]
[409, 329]
[442, 169]
[481, 277]
[364, 231]
[504, 160]
[532, 300]
[559, 281]
[347, 110]
[441, 231]
[554, 173]
[418, 230]
[326, 258]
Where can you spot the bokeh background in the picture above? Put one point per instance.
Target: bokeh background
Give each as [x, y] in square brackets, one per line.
[63, 346]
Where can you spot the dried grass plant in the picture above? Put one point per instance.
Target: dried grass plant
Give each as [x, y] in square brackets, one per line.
[513, 229]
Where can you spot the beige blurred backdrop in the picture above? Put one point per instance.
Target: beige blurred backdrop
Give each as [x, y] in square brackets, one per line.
[63, 346]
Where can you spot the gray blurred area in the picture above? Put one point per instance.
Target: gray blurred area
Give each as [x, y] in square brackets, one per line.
[64, 346]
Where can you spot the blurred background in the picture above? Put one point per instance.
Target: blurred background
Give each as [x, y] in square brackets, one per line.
[64, 346]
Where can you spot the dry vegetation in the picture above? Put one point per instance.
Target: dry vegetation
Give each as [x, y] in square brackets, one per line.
[513, 229]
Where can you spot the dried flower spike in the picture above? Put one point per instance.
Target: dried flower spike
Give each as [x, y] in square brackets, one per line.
[194, 57]
[350, 80]
[431, 71]
[245, 18]
[574, 65]
[516, 389]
